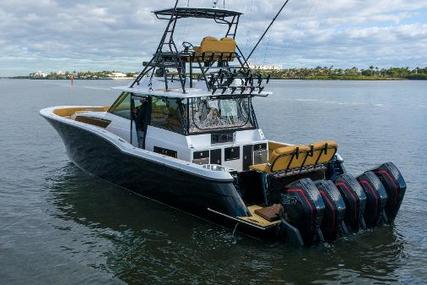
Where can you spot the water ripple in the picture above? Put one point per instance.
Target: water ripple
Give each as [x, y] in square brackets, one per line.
[59, 225]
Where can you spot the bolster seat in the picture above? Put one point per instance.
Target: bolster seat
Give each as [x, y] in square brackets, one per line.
[321, 153]
[272, 145]
[284, 158]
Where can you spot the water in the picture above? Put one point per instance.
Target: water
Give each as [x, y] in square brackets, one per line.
[60, 225]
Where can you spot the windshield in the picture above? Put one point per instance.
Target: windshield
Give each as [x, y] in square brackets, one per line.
[207, 114]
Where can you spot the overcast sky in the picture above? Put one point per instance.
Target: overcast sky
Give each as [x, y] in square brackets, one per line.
[51, 35]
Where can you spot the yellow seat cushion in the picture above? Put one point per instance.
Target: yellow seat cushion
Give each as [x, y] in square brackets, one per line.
[331, 148]
[208, 44]
[288, 157]
[272, 145]
[212, 47]
[284, 158]
[263, 167]
[321, 153]
[227, 45]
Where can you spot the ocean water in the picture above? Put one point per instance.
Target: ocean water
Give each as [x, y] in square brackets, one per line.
[59, 225]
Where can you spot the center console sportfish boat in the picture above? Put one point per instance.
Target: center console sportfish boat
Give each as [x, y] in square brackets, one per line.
[185, 133]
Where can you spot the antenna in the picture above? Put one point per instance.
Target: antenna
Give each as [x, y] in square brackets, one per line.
[223, 4]
[266, 30]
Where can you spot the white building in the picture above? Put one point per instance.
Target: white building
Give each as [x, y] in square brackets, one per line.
[265, 66]
[39, 74]
[118, 75]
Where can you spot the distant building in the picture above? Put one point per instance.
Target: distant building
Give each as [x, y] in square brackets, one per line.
[87, 75]
[39, 74]
[266, 66]
[118, 75]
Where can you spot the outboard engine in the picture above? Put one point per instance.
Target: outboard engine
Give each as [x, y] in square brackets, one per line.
[334, 215]
[304, 209]
[394, 184]
[355, 201]
[376, 198]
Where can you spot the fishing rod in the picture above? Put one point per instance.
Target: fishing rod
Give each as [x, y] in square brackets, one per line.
[265, 32]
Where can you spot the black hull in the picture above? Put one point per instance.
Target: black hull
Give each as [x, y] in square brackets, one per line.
[179, 189]
[213, 196]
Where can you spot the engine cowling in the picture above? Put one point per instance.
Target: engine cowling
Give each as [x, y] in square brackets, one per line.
[304, 209]
[355, 200]
[376, 198]
[394, 184]
[334, 209]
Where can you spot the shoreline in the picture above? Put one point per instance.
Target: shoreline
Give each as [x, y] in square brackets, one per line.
[65, 79]
[318, 73]
[272, 78]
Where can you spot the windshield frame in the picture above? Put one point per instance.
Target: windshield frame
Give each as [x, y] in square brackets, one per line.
[251, 122]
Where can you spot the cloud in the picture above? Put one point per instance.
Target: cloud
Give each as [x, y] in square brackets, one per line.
[106, 34]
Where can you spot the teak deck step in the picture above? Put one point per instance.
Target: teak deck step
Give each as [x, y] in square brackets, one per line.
[256, 219]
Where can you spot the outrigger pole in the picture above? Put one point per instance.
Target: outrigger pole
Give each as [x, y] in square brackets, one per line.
[265, 32]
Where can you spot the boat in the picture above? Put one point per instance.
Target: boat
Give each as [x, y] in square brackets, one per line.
[185, 133]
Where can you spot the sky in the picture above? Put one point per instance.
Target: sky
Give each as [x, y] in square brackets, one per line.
[53, 35]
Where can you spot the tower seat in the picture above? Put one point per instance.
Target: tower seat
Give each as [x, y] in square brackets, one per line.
[212, 49]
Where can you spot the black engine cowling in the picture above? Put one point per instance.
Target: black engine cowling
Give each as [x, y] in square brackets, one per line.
[376, 198]
[334, 209]
[355, 201]
[394, 184]
[304, 208]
